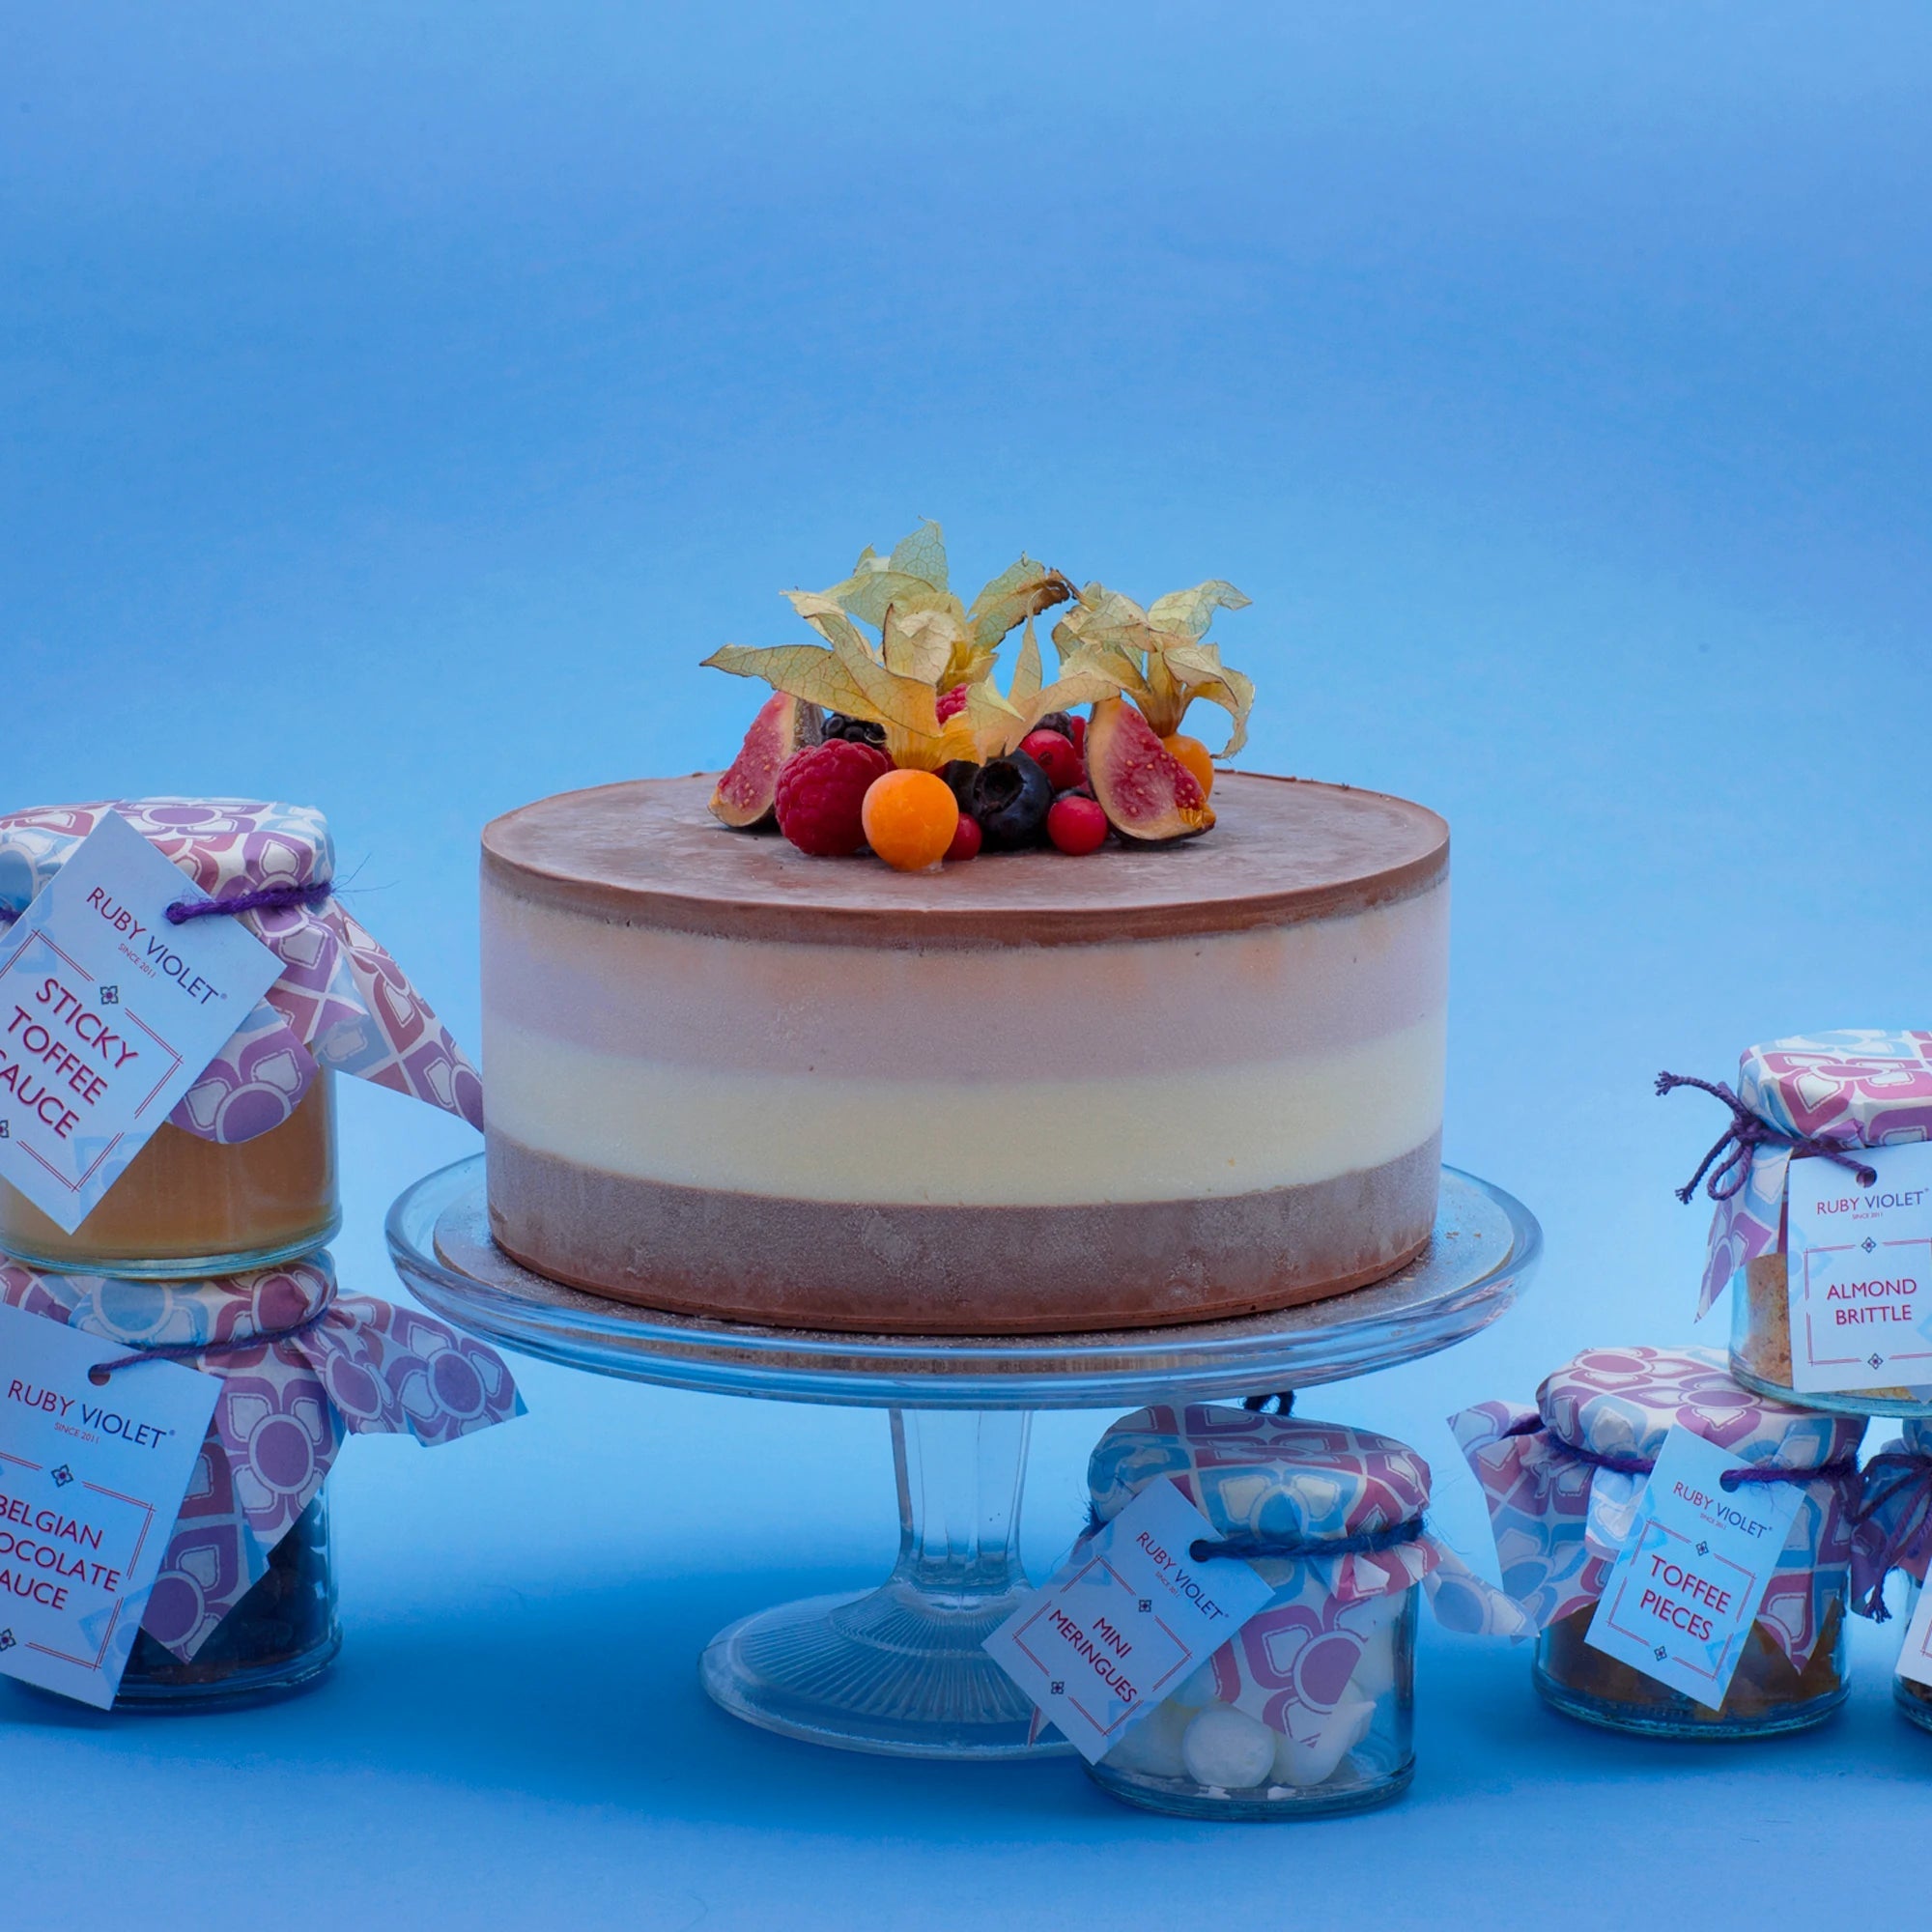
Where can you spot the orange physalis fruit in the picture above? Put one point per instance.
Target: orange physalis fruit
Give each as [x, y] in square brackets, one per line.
[910, 818]
[1195, 755]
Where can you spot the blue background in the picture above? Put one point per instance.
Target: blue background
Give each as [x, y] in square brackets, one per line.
[395, 404]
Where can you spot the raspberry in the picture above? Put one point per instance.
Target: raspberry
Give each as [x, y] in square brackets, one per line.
[1077, 826]
[951, 702]
[821, 795]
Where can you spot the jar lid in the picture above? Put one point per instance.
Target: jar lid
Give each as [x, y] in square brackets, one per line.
[1622, 1402]
[1270, 1476]
[1861, 1084]
[220, 843]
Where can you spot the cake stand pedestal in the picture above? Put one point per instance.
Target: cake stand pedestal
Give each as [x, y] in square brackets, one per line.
[899, 1670]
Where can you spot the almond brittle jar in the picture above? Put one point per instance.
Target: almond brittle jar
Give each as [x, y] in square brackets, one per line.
[1563, 1480]
[244, 1173]
[1895, 1533]
[244, 1609]
[1831, 1095]
[1309, 1709]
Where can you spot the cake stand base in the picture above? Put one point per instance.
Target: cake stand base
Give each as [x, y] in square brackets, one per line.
[900, 1669]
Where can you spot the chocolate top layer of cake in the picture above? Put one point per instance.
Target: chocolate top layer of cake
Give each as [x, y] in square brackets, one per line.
[649, 853]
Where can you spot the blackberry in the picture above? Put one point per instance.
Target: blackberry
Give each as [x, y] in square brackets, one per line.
[855, 730]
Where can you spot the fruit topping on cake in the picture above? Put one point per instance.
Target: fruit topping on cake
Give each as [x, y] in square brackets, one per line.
[747, 793]
[893, 732]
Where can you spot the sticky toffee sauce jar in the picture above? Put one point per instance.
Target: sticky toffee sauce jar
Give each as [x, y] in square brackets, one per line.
[189, 1206]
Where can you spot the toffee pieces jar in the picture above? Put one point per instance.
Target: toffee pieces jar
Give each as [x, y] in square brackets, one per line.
[1894, 1532]
[1562, 1482]
[243, 1607]
[244, 1173]
[1834, 1095]
[1309, 1707]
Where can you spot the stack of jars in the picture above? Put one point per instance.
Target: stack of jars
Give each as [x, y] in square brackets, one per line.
[210, 1249]
[1841, 1096]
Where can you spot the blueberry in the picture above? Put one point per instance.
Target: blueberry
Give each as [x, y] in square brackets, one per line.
[1057, 721]
[959, 774]
[1011, 799]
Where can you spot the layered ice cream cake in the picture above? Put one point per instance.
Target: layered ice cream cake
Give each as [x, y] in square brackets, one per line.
[1031, 1093]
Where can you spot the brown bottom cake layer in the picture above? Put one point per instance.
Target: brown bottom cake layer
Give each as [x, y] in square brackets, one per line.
[925, 1271]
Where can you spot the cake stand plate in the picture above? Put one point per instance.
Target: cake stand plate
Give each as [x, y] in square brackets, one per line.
[899, 1670]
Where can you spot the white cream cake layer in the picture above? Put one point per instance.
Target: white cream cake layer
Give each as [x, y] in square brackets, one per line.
[1062, 1141]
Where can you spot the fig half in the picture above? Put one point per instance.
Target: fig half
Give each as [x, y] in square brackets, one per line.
[1145, 790]
[745, 797]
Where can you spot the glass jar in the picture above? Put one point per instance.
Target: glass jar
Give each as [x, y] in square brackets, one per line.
[1563, 1480]
[1769, 1693]
[1200, 1755]
[279, 1639]
[192, 1206]
[242, 1175]
[1914, 1698]
[1761, 1347]
[1309, 1707]
[1842, 1091]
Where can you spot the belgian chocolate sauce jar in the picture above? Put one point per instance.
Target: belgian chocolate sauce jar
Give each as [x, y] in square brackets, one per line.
[1562, 1482]
[1836, 1097]
[1309, 1709]
[243, 1607]
[244, 1173]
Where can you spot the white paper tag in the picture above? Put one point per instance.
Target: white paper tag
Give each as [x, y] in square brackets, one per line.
[1687, 1585]
[1859, 1262]
[108, 1015]
[1125, 1621]
[1914, 1653]
[91, 1482]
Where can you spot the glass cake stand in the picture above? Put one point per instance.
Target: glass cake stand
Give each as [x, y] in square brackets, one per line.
[899, 1670]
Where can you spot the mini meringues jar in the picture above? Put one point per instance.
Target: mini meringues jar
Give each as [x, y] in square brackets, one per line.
[1310, 1708]
[1562, 1481]
[242, 1175]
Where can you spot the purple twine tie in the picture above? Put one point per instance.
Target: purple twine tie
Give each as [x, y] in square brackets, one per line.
[270, 899]
[1747, 1133]
[1843, 1470]
[236, 1345]
[1900, 1474]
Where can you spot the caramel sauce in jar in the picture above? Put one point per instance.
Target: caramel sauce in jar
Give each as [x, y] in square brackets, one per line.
[190, 1206]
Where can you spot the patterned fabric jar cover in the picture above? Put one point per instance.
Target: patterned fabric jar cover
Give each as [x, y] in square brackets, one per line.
[341, 1002]
[1559, 1520]
[1863, 1087]
[365, 1367]
[1266, 1477]
[1893, 1503]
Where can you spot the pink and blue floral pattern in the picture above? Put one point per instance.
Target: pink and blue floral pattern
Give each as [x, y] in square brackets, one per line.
[1271, 1477]
[1864, 1087]
[286, 1407]
[341, 1002]
[1560, 1520]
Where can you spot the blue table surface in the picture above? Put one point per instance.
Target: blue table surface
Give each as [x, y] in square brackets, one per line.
[399, 402]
